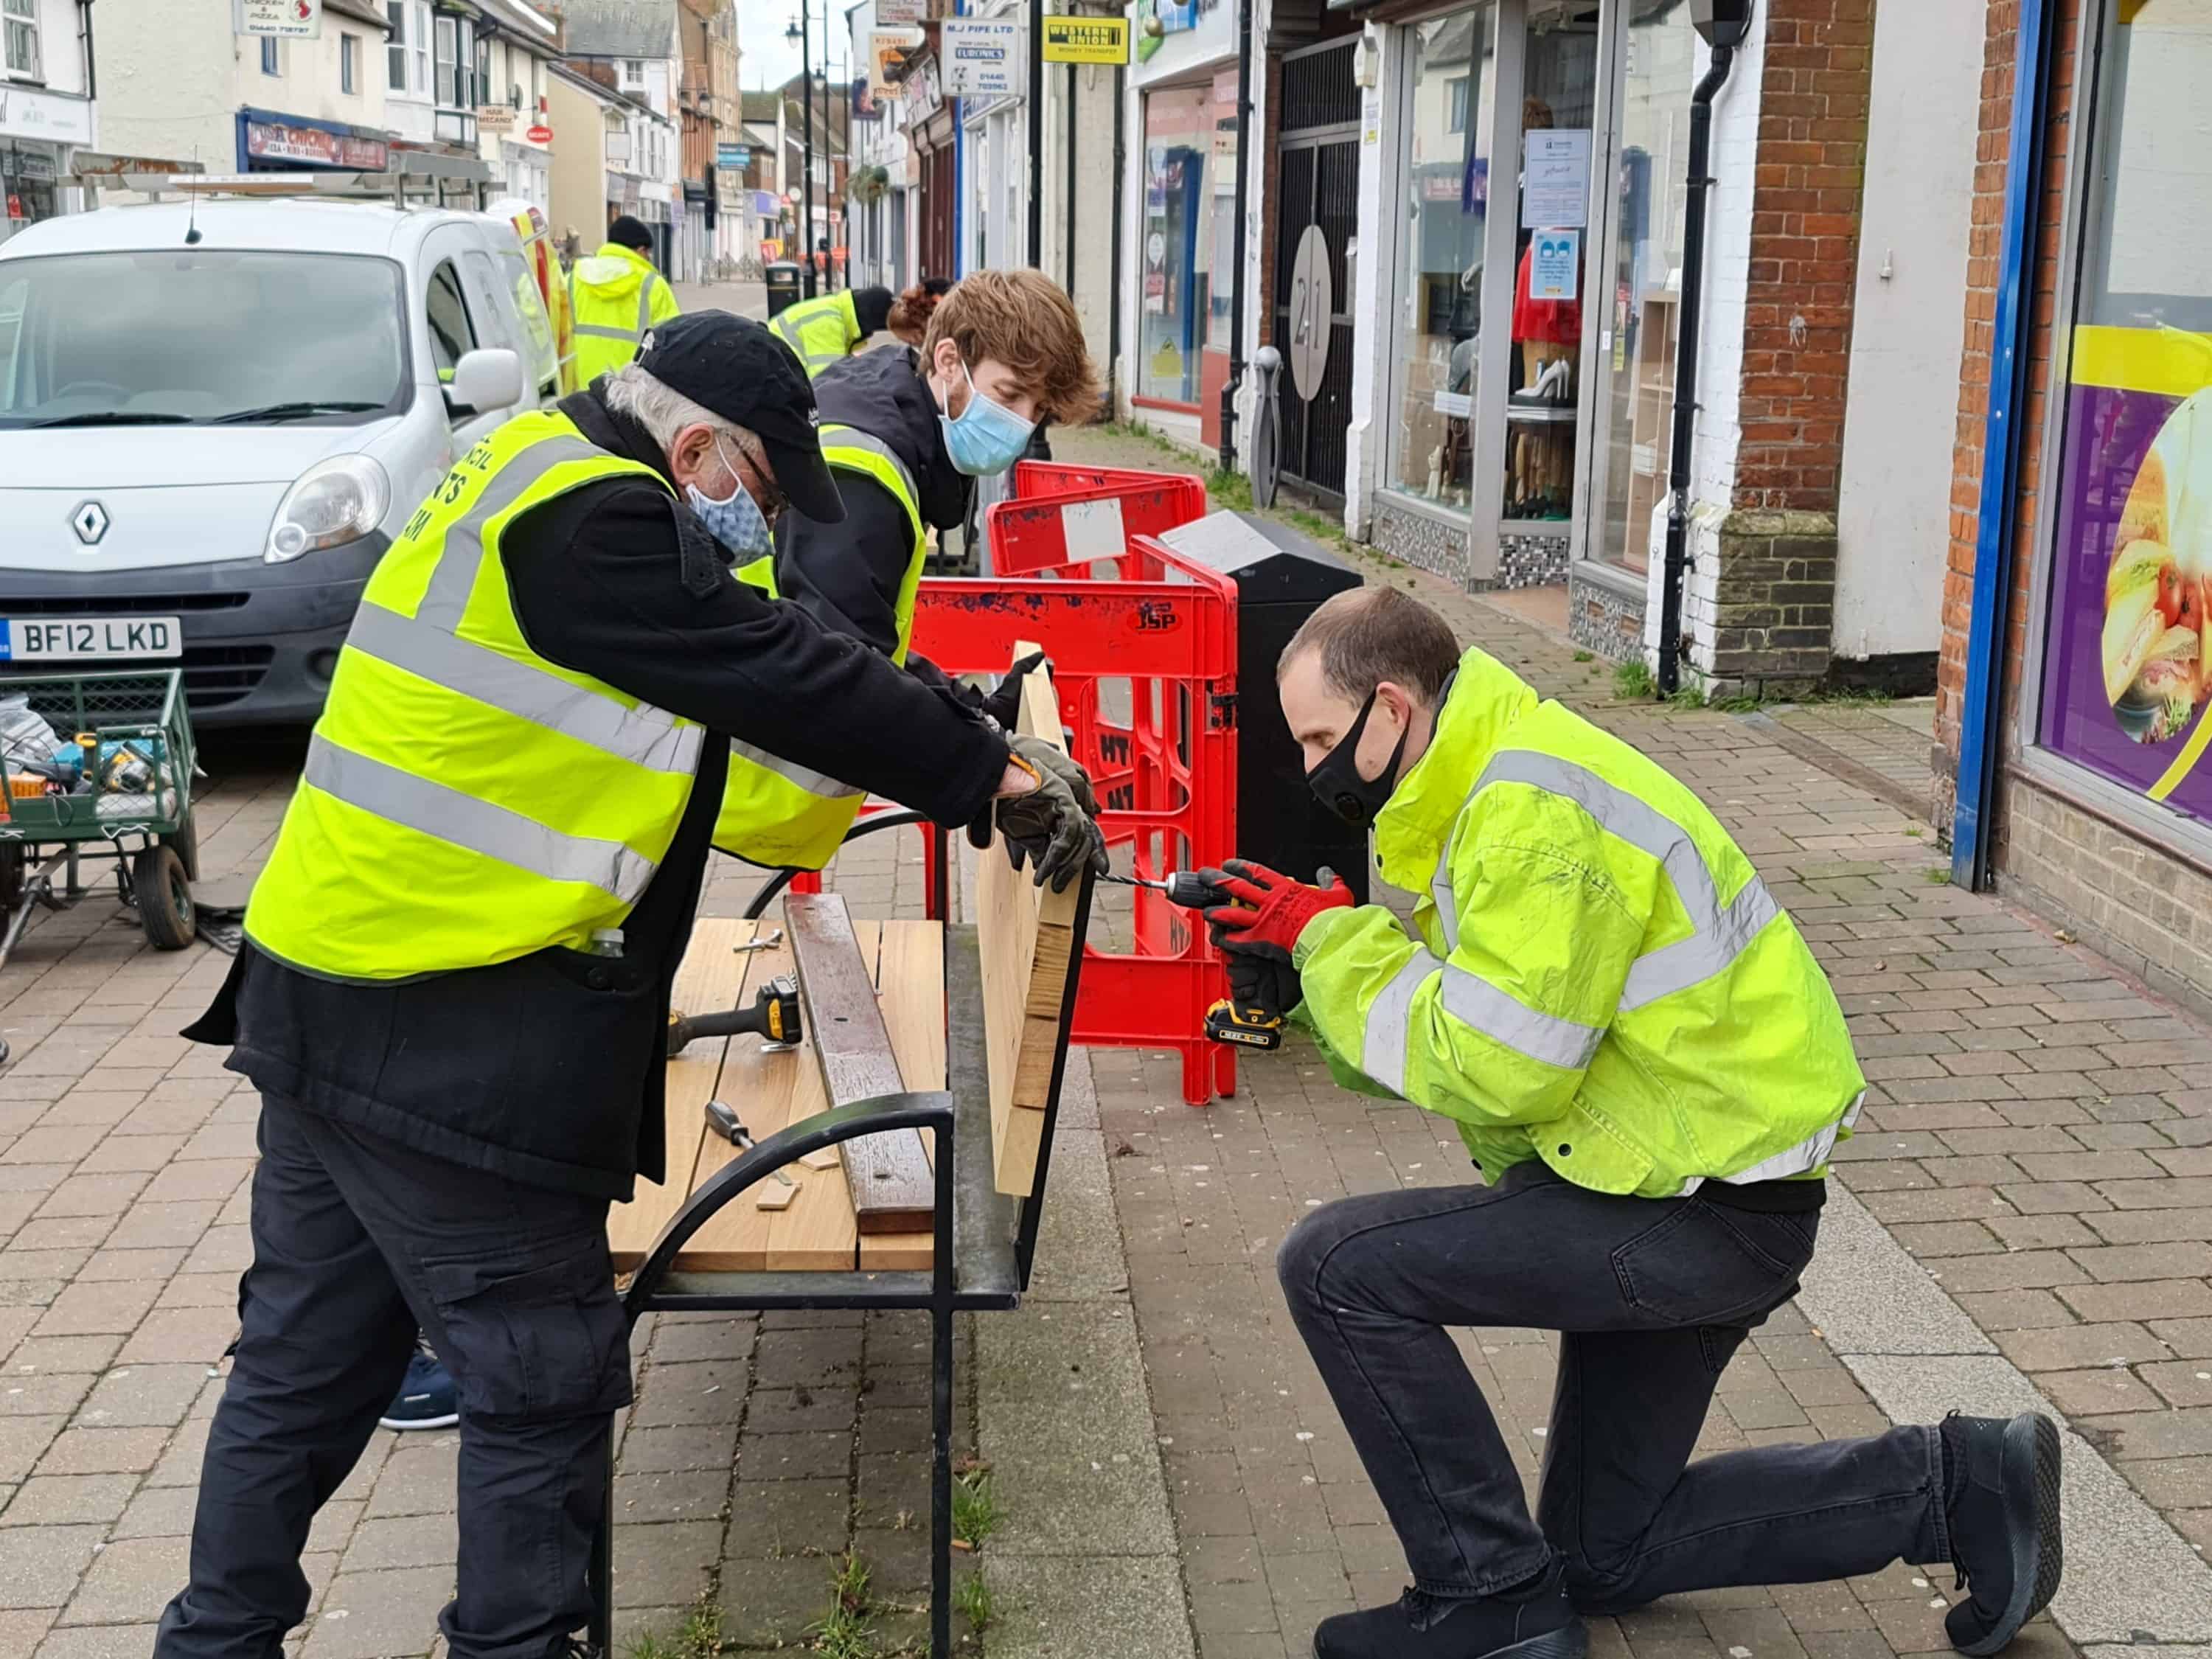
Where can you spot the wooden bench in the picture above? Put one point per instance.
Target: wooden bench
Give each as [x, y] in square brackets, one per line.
[913, 1124]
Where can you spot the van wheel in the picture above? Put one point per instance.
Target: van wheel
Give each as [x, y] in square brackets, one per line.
[164, 897]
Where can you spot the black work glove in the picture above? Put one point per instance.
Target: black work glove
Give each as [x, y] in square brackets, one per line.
[1004, 704]
[1054, 826]
[1258, 979]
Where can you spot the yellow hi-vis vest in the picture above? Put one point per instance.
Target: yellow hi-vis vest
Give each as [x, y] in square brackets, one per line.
[820, 331]
[614, 297]
[777, 814]
[465, 801]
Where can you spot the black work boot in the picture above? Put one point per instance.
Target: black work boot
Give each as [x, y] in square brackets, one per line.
[2001, 1493]
[1533, 1621]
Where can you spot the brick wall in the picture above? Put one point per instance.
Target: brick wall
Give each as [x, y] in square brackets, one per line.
[1765, 619]
[2131, 899]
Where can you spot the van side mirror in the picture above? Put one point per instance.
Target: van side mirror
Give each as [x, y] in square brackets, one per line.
[488, 379]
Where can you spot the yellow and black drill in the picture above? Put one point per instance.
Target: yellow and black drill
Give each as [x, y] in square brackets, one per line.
[1244, 1028]
[774, 1015]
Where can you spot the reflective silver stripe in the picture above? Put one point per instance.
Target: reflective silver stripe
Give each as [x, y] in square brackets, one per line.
[1719, 935]
[462, 821]
[1383, 1050]
[781, 328]
[1480, 1005]
[1706, 952]
[595, 331]
[455, 576]
[644, 736]
[814, 783]
[645, 304]
[851, 437]
[1807, 1155]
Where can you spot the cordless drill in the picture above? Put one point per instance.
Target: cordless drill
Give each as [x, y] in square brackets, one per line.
[774, 1015]
[1245, 1028]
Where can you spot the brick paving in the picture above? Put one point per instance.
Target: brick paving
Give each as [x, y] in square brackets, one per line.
[2031, 1137]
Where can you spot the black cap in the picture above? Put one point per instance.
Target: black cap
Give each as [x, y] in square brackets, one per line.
[626, 232]
[735, 368]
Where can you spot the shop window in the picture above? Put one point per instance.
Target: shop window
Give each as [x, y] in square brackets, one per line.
[1190, 165]
[2127, 675]
[1642, 287]
[19, 24]
[1446, 173]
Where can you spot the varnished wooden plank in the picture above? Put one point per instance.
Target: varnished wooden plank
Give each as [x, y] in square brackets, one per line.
[887, 1174]
[1026, 935]
[910, 979]
[713, 975]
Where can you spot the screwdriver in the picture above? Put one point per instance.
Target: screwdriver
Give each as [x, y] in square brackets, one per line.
[1246, 1028]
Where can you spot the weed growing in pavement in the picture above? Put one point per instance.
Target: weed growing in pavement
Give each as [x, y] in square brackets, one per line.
[1688, 696]
[1230, 490]
[975, 1511]
[1585, 656]
[973, 1598]
[1936, 877]
[1633, 680]
[699, 1636]
[848, 1629]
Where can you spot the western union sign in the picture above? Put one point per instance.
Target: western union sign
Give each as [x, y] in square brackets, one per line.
[1086, 40]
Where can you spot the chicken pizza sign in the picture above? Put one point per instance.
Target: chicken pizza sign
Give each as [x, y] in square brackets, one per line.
[2130, 669]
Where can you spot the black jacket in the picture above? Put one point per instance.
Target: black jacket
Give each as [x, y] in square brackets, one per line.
[547, 1069]
[847, 575]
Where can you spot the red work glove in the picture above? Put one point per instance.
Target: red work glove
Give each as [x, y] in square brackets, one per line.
[1268, 910]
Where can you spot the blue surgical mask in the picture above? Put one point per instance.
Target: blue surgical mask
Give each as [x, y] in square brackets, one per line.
[988, 438]
[736, 520]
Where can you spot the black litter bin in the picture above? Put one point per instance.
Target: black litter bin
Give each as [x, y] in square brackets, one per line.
[1281, 579]
[782, 286]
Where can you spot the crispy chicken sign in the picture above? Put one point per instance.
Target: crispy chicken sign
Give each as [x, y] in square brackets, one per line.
[296, 20]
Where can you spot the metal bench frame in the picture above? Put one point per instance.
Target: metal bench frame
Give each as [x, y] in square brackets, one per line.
[985, 1241]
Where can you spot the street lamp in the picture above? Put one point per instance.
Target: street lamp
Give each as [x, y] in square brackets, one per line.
[798, 32]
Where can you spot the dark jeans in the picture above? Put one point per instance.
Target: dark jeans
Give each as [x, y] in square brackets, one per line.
[357, 1241]
[1651, 1298]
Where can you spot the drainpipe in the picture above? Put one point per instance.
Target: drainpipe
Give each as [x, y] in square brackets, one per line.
[1068, 251]
[1036, 119]
[1114, 308]
[1228, 457]
[1723, 38]
[84, 48]
[1981, 745]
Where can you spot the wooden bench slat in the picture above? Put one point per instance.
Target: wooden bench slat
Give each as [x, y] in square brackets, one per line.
[888, 1174]
[713, 975]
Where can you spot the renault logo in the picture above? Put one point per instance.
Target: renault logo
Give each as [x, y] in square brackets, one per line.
[90, 522]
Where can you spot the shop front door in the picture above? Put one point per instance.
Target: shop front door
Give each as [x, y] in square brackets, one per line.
[1316, 224]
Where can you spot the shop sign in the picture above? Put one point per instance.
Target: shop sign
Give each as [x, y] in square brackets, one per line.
[732, 158]
[540, 134]
[1555, 179]
[293, 20]
[267, 142]
[925, 92]
[1086, 40]
[2126, 684]
[901, 14]
[887, 56]
[982, 57]
[45, 115]
[1555, 265]
[495, 118]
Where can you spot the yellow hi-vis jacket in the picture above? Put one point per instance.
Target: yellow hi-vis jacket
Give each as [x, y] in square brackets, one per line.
[464, 801]
[615, 297]
[820, 331]
[1599, 978]
[777, 814]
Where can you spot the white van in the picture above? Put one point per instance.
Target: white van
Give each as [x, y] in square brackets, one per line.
[216, 415]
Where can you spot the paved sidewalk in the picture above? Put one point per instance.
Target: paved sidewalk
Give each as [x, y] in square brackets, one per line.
[2035, 1170]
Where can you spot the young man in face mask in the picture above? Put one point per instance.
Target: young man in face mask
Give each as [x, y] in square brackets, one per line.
[905, 432]
[1650, 1072]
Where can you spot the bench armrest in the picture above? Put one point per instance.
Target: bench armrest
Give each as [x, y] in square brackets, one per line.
[919, 1109]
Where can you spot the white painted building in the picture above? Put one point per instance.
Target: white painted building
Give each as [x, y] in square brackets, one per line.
[633, 43]
[46, 112]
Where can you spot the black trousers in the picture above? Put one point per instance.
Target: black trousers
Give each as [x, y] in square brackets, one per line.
[357, 1241]
[1652, 1296]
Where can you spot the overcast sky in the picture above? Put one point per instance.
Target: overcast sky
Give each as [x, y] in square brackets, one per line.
[770, 60]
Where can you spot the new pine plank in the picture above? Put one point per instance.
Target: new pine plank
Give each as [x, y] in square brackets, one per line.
[888, 1174]
[819, 1232]
[713, 975]
[910, 978]
[1026, 935]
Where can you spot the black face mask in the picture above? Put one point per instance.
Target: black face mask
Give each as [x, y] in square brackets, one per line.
[1336, 782]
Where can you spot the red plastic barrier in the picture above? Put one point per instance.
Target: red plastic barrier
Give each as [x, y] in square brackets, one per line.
[1061, 515]
[1143, 655]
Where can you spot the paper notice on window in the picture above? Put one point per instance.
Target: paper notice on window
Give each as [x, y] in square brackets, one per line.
[1555, 265]
[1555, 179]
